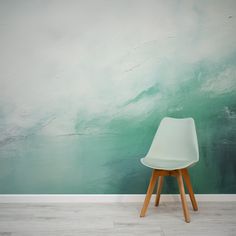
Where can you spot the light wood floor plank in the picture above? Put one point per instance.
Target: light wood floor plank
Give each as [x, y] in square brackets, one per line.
[115, 219]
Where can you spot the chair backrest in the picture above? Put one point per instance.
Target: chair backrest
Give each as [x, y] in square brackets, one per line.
[175, 139]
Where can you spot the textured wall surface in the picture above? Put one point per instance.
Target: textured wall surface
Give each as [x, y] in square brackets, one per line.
[84, 85]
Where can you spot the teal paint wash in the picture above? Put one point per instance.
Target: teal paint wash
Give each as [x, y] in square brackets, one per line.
[82, 93]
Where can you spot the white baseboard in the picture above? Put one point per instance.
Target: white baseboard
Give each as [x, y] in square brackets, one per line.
[106, 198]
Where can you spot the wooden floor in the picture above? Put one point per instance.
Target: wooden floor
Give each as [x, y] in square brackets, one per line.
[115, 219]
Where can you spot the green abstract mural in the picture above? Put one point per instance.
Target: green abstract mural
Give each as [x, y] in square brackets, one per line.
[84, 85]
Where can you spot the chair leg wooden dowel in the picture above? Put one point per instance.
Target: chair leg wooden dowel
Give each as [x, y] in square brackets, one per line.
[190, 189]
[183, 197]
[159, 188]
[149, 193]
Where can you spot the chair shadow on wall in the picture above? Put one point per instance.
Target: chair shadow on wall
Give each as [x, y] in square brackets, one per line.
[173, 150]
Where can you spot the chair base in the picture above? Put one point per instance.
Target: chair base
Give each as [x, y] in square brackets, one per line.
[179, 174]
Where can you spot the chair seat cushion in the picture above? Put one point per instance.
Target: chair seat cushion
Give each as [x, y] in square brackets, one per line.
[165, 164]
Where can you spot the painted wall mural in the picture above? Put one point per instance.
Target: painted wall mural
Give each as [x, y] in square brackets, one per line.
[84, 85]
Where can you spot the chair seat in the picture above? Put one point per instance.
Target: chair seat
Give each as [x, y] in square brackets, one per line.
[163, 164]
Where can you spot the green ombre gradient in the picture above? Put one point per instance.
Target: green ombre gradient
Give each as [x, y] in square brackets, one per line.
[82, 126]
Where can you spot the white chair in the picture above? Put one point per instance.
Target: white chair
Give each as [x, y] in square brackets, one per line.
[173, 149]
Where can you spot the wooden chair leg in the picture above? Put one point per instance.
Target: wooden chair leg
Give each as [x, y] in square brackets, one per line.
[183, 197]
[149, 192]
[190, 189]
[159, 188]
